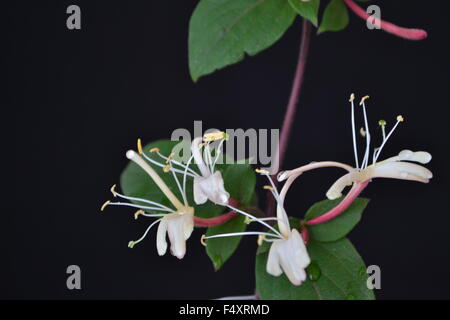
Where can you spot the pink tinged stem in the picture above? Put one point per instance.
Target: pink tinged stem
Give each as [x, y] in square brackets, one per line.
[356, 189]
[217, 221]
[406, 33]
[305, 235]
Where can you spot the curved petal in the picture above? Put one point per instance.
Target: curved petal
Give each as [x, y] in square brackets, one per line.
[408, 155]
[336, 189]
[176, 233]
[161, 243]
[195, 149]
[293, 258]
[273, 264]
[400, 170]
[199, 196]
[210, 187]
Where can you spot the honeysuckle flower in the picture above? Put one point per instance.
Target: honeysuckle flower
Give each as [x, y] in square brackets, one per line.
[287, 252]
[208, 184]
[397, 167]
[406, 33]
[177, 223]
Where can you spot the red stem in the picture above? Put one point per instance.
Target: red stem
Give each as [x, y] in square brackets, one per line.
[305, 234]
[291, 107]
[216, 221]
[405, 33]
[344, 204]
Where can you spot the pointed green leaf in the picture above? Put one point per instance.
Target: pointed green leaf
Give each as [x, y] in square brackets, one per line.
[308, 10]
[335, 17]
[222, 32]
[338, 227]
[338, 271]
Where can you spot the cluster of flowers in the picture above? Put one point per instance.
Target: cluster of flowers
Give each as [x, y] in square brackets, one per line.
[288, 252]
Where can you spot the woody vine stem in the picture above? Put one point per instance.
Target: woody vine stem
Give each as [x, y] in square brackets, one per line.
[292, 105]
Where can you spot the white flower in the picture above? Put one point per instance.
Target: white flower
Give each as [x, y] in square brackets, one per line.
[177, 223]
[397, 167]
[288, 252]
[394, 167]
[208, 184]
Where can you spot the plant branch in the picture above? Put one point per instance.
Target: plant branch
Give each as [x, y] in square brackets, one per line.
[292, 106]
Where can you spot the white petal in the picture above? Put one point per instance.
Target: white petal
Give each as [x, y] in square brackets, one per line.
[199, 196]
[336, 189]
[188, 225]
[408, 155]
[273, 264]
[195, 148]
[161, 243]
[293, 257]
[176, 232]
[400, 170]
[211, 187]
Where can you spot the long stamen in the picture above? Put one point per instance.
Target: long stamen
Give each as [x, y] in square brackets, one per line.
[131, 244]
[126, 204]
[355, 147]
[207, 156]
[116, 194]
[185, 173]
[183, 166]
[219, 151]
[183, 194]
[366, 124]
[399, 119]
[156, 178]
[162, 165]
[235, 234]
[254, 218]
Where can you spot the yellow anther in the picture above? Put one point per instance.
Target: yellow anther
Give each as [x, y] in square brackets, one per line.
[362, 132]
[363, 99]
[202, 240]
[268, 188]
[261, 171]
[248, 220]
[382, 123]
[113, 190]
[104, 205]
[154, 150]
[260, 240]
[138, 213]
[352, 97]
[166, 168]
[139, 146]
[214, 136]
[400, 118]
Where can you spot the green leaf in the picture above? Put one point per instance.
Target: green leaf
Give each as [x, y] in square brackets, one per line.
[338, 269]
[338, 227]
[221, 32]
[335, 17]
[220, 250]
[308, 10]
[240, 181]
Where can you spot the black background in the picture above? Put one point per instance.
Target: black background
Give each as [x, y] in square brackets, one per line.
[79, 100]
